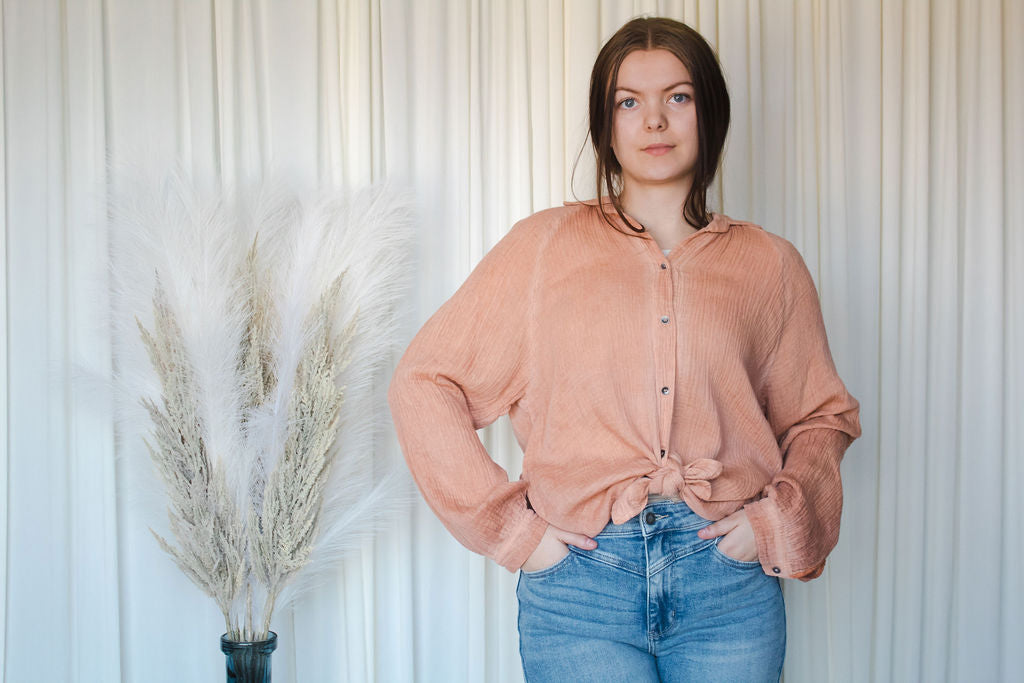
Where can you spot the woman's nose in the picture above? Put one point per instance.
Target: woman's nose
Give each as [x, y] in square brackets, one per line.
[655, 121]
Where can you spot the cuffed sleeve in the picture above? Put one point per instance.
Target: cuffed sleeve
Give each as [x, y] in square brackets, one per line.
[814, 418]
[464, 369]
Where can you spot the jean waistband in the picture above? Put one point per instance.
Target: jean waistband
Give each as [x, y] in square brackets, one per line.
[656, 517]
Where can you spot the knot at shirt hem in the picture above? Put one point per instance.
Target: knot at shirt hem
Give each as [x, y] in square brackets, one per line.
[671, 478]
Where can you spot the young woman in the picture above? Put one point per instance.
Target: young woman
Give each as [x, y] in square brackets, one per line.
[667, 374]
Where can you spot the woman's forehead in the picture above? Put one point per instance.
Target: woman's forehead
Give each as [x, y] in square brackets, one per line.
[656, 69]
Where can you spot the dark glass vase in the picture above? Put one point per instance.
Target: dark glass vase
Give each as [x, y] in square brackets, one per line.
[248, 662]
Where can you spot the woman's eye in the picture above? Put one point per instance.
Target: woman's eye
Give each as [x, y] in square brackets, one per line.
[628, 99]
[682, 97]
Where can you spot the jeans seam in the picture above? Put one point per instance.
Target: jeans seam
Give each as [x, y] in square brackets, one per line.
[519, 630]
[605, 560]
[647, 592]
[668, 562]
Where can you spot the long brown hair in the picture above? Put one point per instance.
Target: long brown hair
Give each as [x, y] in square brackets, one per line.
[710, 97]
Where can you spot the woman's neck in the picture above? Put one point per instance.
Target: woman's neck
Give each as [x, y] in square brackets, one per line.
[660, 210]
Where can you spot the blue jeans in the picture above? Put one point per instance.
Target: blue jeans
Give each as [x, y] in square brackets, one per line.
[653, 602]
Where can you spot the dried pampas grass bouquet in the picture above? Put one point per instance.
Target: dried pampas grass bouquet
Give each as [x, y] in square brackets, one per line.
[251, 329]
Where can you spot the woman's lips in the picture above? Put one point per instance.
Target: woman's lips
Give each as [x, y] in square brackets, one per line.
[658, 150]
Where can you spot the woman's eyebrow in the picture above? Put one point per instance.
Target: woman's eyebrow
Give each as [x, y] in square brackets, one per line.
[674, 85]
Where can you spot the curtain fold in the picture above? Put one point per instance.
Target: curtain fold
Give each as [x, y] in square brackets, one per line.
[883, 139]
[5, 451]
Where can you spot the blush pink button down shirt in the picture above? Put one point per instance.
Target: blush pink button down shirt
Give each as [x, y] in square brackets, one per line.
[704, 374]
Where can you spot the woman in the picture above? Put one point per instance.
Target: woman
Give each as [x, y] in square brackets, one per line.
[667, 374]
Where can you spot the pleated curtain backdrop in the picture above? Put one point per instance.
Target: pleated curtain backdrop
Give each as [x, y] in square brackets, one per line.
[883, 138]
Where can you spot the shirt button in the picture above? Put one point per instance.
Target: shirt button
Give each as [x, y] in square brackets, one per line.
[664, 318]
[664, 390]
[663, 452]
[664, 266]
[650, 518]
[776, 570]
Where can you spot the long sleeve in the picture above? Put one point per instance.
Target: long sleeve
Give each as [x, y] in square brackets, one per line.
[464, 369]
[815, 419]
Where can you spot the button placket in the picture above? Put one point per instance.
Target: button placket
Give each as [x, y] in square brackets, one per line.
[665, 352]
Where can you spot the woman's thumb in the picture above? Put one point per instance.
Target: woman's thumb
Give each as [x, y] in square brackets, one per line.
[578, 540]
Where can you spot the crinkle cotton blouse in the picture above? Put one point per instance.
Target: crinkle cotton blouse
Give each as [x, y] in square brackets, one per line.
[704, 374]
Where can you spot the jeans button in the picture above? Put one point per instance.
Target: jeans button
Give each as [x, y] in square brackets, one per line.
[650, 518]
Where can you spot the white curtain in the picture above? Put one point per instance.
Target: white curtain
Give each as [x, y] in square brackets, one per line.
[883, 138]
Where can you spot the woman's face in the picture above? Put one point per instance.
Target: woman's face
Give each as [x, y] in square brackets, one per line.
[654, 123]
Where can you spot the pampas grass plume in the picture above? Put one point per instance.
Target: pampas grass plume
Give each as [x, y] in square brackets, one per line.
[251, 326]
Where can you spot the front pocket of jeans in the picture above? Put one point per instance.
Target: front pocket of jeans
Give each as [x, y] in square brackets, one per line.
[549, 570]
[732, 562]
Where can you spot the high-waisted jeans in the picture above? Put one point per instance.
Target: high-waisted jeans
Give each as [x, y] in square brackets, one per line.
[653, 602]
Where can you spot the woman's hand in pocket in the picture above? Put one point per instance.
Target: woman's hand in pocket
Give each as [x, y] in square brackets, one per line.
[553, 547]
[738, 540]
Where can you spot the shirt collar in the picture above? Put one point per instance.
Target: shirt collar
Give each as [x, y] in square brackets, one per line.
[719, 222]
